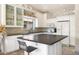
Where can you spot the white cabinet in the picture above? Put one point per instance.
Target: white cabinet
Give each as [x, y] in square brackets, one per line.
[19, 16]
[64, 29]
[43, 49]
[11, 15]
[67, 28]
[10, 45]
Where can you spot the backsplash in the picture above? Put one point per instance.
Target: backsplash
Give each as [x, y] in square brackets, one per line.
[46, 29]
[15, 30]
[20, 30]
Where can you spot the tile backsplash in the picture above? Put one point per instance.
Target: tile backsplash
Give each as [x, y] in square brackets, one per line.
[15, 30]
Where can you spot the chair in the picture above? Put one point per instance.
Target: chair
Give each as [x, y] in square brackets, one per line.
[23, 46]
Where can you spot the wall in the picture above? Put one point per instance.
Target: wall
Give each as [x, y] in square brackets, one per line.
[42, 20]
[77, 27]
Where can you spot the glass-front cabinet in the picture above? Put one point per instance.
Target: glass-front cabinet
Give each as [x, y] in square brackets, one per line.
[9, 15]
[13, 16]
[19, 20]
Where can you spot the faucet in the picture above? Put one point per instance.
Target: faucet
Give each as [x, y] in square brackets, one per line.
[52, 25]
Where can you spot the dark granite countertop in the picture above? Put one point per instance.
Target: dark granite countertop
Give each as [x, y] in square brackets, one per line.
[48, 39]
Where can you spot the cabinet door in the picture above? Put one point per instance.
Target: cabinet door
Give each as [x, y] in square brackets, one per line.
[10, 44]
[9, 15]
[63, 29]
[19, 21]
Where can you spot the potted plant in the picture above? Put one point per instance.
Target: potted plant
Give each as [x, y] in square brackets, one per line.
[2, 38]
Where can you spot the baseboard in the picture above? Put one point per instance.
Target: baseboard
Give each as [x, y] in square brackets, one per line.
[68, 45]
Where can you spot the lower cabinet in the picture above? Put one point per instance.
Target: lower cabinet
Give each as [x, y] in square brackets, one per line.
[10, 44]
[44, 49]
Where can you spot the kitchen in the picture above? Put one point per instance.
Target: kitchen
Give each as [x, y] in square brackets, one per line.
[25, 20]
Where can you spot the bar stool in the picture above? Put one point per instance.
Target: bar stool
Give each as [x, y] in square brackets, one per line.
[23, 46]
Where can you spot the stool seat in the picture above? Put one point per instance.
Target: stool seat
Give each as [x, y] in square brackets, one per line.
[30, 48]
[23, 46]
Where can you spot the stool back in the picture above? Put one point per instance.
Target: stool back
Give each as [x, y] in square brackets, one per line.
[22, 45]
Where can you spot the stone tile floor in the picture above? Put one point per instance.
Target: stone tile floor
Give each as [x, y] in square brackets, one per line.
[68, 50]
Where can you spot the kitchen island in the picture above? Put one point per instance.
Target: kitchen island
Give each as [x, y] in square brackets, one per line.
[47, 44]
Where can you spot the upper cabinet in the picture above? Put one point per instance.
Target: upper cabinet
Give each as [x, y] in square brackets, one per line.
[29, 13]
[13, 16]
[19, 19]
[9, 15]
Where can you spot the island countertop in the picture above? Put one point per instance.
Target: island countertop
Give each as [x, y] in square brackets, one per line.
[48, 39]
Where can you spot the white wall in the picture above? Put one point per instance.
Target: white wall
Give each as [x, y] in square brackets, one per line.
[44, 20]
[40, 18]
[77, 27]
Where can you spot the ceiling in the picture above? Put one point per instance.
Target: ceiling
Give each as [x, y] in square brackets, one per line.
[54, 9]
